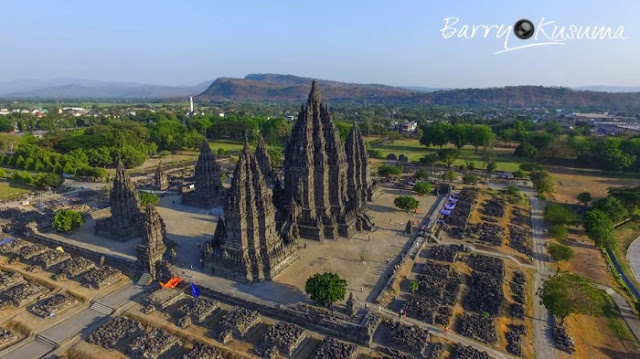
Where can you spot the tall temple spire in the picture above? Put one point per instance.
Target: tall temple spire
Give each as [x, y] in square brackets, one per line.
[358, 183]
[152, 247]
[247, 245]
[316, 173]
[160, 178]
[262, 155]
[124, 222]
[209, 190]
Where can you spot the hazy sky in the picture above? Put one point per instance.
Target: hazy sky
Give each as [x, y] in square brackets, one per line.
[392, 42]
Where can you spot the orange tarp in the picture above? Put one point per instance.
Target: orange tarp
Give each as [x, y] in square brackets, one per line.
[172, 283]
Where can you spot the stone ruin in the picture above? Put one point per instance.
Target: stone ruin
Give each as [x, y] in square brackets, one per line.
[15, 220]
[514, 339]
[264, 160]
[516, 311]
[7, 338]
[520, 239]
[359, 187]
[520, 218]
[198, 309]
[152, 247]
[203, 351]
[478, 327]
[390, 353]
[495, 207]
[100, 278]
[10, 279]
[125, 221]
[412, 339]
[111, 334]
[209, 190]
[350, 305]
[331, 348]
[517, 287]
[408, 228]
[153, 344]
[484, 293]
[53, 305]
[445, 253]
[239, 321]
[160, 178]
[14, 246]
[435, 351]
[27, 252]
[23, 293]
[491, 265]
[284, 336]
[246, 245]
[456, 222]
[561, 336]
[468, 352]
[315, 176]
[49, 258]
[74, 267]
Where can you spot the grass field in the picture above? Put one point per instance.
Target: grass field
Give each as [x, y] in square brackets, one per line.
[12, 190]
[412, 148]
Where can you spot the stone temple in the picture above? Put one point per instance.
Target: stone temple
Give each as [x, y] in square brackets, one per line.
[247, 245]
[152, 248]
[160, 178]
[358, 184]
[125, 220]
[315, 177]
[262, 155]
[209, 190]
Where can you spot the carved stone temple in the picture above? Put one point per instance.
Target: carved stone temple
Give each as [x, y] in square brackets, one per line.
[125, 220]
[247, 245]
[152, 247]
[209, 190]
[262, 155]
[160, 178]
[358, 183]
[315, 177]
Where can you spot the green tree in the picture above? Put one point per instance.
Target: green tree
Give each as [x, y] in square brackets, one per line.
[437, 134]
[388, 170]
[559, 214]
[543, 182]
[51, 180]
[459, 135]
[491, 166]
[560, 252]
[423, 187]
[470, 178]
[414, 286]
[565, 294]
[558, 232]
[148, 199]
[326, 288]
[67, 220]
[518, 174]
[448, 156]
[600, 229]
[406, 203]
[450, 176]
[480, 135]
[613, 207]
[422, 174]
[584, 198]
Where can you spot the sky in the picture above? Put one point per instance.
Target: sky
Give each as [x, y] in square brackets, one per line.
[389, 42]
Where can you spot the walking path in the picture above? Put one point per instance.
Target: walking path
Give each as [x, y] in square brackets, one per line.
[52, 338]
[633, 257]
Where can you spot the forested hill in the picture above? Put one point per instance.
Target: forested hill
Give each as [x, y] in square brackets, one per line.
[289, 88]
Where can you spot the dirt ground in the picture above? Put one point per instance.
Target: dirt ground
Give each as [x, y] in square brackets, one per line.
[344, 256]
[571, 181]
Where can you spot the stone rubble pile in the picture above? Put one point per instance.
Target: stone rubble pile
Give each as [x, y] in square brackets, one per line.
[15, 220]
[203, 351]
[390, 353]
[111, 334]
[520, 239]
[468, 352]
[478, 327]
[514, 339]
[331, 348]
[10, 279]
[74, 267]
[491, 265]
[27, 252]
[457, 221]
[240, 320]
[520, 217]
[101, 277]
[446, 253]
[53, 305]
[412, 339]
[198, 309]
[13, 246]
[23, 293]
[516, 311]
[7, 338]
[495, 207]
[517, 287]
[152, 345]
[486, 232]
[435, 351]
[561, 336]
[284, 336]
[49, 258]
[484, 293]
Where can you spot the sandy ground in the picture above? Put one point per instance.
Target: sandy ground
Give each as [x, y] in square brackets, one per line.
[572, 181]
[343, 256]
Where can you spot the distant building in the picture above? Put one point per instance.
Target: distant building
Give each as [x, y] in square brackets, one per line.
[291, 118]
[409, 126]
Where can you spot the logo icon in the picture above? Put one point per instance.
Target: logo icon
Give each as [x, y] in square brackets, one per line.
[523, 29]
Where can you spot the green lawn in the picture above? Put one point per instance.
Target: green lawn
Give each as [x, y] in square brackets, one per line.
[412, 148]
[11, 189]
[230, 145]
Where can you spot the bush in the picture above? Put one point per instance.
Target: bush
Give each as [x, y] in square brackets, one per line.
[45, 180]
[450, 176]
[470, 178]
[386, 170]
[164, 153]
[422, 174]
[373, 153]
[530, 167]
[491, 166]
[67, 220]
[326, 288]
[406, 203]
[560, 252]
[422, 187]
[148, 198]
[558, 232]
[519, 174]
[558, 214]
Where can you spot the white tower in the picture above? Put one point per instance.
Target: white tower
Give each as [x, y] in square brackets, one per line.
[191, 100]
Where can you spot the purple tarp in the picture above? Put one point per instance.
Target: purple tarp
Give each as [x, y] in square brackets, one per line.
[450, 206]
[453, 200]
[445, 212]
[6, 241]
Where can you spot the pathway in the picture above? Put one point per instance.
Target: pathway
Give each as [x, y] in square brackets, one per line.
[633, 257]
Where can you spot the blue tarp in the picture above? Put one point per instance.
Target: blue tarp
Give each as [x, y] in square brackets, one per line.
[6, 241]
[441, 221]
[445, 212]
[453, 200]
[450, 206]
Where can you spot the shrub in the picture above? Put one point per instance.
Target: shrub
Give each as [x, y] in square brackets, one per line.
[558, 232]
[386, 170]
[560, 252]
[470, 178]
[406, 203]
[164, 153]
[422, 187]
[530, 167]
[67, 220]
[422, 174]
[558, 214]
[326, 288]
[450, 176]
[44, 180]
[148, 198]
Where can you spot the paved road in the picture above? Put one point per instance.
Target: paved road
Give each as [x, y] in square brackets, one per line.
[633, 257]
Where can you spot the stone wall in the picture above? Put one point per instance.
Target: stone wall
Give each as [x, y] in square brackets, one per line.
[167, 167]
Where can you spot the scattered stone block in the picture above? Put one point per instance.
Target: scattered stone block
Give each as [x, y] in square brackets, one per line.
[101, 277]
[109, 335]
[331, 348]
[53, 305]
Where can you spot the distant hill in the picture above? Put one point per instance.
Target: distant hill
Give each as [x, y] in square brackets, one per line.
[86, 89]
[603, 88]
[289, 88]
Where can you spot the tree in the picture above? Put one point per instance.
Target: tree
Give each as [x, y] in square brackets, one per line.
[560, 252]
[5, 125]
[470, 178]
[613, 207]
[559, 214]
[386, 170]
[600, 229]
[422, 174]
[558, 232]
[45, 180]
[406, 203]
[326, 288]
[430, 159]
[543, 182]
[527, 150]
[67, 220]
[480, 135]
[423, 187]
[459, 135]
[518, 174]
[491, 166]
[437, 134]
[448, 156]
[450, 176]
[148, 198]
[565, 294]
[414, 286]
[584, 198]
